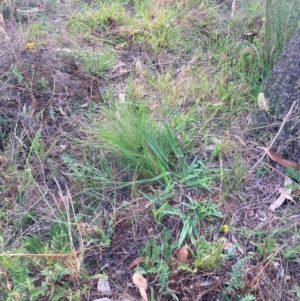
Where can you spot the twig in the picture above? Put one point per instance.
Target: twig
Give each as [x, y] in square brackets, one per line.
[274, 139]
[233, 8]
[269, 125]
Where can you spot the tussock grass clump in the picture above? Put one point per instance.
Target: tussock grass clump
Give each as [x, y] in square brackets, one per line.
[141, 144]
[95, 62]
[94, 18]
[129, 136]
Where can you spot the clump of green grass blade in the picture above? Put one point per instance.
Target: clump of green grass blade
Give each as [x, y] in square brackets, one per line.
[130, 136]
[95, 62]
[88, 19]
[147, 25]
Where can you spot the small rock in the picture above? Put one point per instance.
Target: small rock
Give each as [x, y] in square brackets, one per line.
[103, 286]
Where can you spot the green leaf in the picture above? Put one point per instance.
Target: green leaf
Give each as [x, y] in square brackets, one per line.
[97, 276]
[39, 291]
[184, 232]
[51, 112]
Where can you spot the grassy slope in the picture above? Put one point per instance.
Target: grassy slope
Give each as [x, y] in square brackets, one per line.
[129, 140]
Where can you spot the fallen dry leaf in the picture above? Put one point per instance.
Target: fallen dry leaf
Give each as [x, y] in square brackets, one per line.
[248, 49]
[2, 159]
[139, 66]
[285, 193]
[103, 285]
[64, 49]
[3, 36]
[233, 8]
[153, 105]
[240, 140]
[283, 196]
[3, 274]
[85, 104]
[183, 254]
[209, 147]
[137, 261]
[8, 285]
[121, 97]
[280, 160]
[141, 283]
[62, 112]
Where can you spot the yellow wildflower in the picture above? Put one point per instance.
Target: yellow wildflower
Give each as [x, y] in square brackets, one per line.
[30, 45]
[224, 228]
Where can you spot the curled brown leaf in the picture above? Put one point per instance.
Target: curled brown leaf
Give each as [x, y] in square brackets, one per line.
[271, 153]
[137, 261]
[182, 254]
[141, 283]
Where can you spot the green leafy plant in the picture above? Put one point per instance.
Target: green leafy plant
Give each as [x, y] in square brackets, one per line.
[95, 62]
[293, 174]
[37, 149]
[158, 255]
[15, 73]
[34, 255]
[42, 84]
[194, 212]
[265, 246]
[262, 171]
[208, 255]
[291, 253]
[296, 289]
[248, 297]
[237, 276]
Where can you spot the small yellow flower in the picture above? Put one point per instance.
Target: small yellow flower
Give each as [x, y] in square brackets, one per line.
[30, 45]
[263, 19]
[224, 228]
